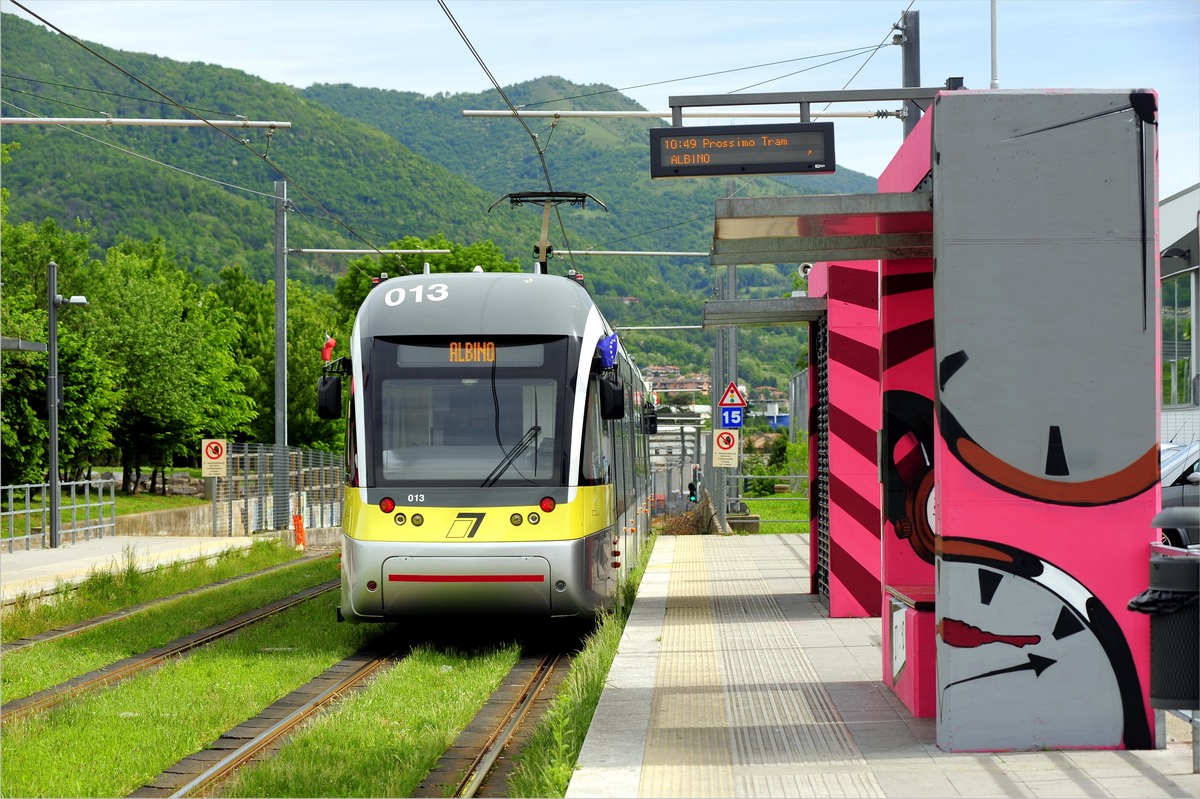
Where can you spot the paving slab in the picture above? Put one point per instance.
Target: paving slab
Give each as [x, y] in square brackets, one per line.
[732, 682]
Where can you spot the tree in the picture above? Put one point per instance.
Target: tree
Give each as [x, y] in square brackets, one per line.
[88, 388]
[172, 345]
[311, 316]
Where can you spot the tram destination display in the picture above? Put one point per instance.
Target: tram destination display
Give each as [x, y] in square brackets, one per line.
[783, 149]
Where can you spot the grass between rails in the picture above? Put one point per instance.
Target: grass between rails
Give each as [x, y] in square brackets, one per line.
[545, 764]
[38, 667]
[122, 737]
[126, 585]
[383, 741]
[113, 741]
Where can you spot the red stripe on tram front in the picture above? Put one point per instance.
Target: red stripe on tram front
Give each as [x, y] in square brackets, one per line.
[466, 578]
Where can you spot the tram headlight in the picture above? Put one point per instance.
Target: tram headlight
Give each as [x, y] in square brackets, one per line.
[515, 519]
[400, 518]
[534, 518]
[418, 519]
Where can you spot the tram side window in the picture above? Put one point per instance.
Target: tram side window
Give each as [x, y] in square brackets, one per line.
[594, 464]
[351, 468]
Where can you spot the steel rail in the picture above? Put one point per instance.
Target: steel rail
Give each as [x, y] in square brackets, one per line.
[56, 695]
[481, 766]
[124, 613]
[264, 740]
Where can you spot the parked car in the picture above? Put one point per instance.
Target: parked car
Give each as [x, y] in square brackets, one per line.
[1180, 468]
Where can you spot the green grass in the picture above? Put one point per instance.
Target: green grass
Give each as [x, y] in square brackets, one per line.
[774, 513]
[383, 741]
[41, 666]
[545, 764]
[111, 742]
[143, 502]
[125, 585]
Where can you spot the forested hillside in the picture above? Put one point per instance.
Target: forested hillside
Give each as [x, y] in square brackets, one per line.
[365, 168]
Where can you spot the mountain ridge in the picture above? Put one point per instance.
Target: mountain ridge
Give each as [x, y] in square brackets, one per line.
[374, 158]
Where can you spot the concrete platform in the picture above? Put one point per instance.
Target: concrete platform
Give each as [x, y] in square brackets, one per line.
[38, 571]
[732, 681]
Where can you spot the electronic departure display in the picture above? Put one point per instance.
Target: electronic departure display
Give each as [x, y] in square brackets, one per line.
[785, 149]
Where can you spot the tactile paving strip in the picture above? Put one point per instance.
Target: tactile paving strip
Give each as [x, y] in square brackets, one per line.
[687, 744]
[740, 711]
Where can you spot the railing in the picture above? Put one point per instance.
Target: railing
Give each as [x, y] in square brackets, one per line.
[87, 509]
[243, 502]
[796, 484]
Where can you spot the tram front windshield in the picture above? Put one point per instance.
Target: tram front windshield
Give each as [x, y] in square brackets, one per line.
[457, 412]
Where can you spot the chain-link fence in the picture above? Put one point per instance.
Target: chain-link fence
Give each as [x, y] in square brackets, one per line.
[87, 509]
[269, 485]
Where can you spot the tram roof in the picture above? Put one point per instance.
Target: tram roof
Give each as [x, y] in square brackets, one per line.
[492, 303]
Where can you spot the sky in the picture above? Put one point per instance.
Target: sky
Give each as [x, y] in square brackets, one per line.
[684, 47]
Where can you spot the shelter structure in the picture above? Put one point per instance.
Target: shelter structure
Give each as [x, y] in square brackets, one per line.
[984, 395]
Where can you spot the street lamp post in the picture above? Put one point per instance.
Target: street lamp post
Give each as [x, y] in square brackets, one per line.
[53, 392]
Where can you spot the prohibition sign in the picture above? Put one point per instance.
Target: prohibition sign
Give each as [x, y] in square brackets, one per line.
[725, 448]
[215, 458]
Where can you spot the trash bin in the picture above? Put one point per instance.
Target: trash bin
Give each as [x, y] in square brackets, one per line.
[1172, 601]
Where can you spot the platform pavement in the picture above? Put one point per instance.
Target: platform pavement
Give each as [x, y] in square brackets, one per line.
[36, 571]
[731, 680]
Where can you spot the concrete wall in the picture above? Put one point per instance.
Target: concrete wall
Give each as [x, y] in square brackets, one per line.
[194, 520]
[197, 521]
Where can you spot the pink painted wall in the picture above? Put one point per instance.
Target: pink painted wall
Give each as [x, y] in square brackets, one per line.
[854, 515]
[906, 318]
[1046, 457]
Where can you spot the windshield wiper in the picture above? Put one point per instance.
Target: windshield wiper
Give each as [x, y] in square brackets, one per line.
[530, 436]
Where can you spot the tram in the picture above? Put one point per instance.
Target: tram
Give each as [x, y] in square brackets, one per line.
[496, 454]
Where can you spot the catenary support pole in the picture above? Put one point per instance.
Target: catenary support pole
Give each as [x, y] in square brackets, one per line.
[280, 514]
[52, 396]
[911, 54]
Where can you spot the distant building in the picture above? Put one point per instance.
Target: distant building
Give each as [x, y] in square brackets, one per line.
[1178, 265]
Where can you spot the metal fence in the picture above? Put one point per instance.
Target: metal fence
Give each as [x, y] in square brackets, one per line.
[736, 502]
[87, 510]
[310, 482]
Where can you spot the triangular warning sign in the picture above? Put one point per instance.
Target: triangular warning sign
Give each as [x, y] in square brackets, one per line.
[732, 398]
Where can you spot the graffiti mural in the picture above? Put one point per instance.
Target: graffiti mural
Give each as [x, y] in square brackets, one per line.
[1025, 633]
[1046, 438]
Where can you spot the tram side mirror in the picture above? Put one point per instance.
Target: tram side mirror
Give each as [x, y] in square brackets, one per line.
[649, 422]
[329, 396]
[612, 398]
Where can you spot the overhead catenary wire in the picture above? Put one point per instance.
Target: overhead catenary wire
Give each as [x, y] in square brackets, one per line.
[520, 111]
[667, 115]
[112, 122]
[703, 75]
[135, 154]
[262, 156]
[10, 76]
[504, 96]
[885, 39]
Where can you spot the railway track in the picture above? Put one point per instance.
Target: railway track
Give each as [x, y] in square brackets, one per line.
[256, 737]
[476, 765]
[123, 669]
[98, 621]
[468, 769]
